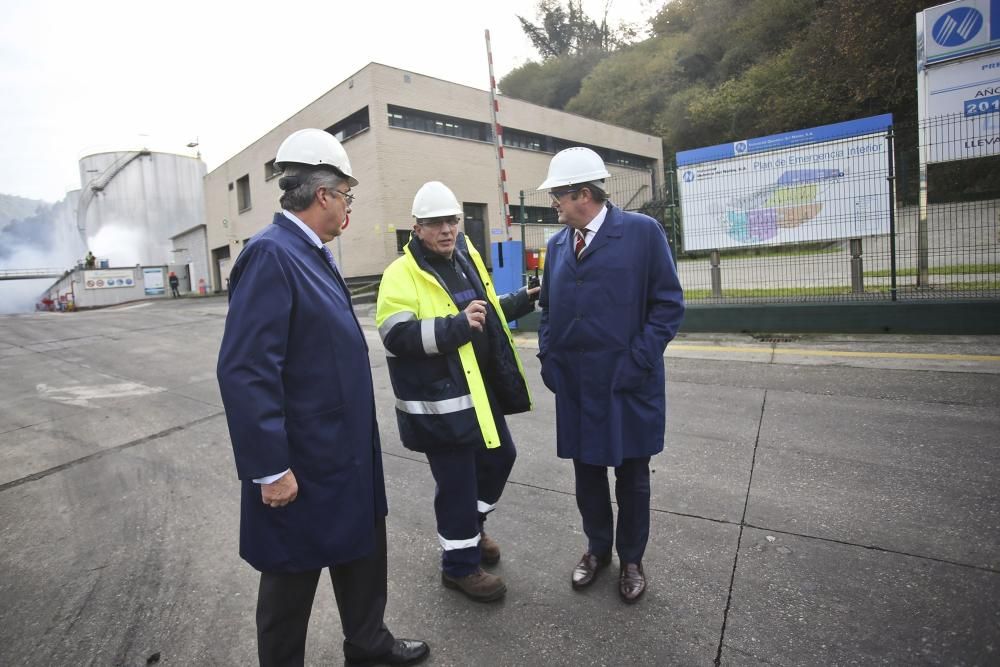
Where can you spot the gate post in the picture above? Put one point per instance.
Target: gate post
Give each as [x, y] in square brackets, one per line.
[892, 213]
[714, 259]
[857, 271]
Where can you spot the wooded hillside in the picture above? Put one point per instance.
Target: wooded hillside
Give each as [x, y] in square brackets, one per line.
[715, 71]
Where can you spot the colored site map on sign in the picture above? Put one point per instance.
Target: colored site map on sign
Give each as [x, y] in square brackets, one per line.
[792, 201]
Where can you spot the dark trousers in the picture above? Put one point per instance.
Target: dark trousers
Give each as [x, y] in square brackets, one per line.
[470, 480]
[594, 501]
[284, 604]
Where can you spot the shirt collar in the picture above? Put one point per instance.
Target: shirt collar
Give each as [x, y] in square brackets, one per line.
[308, 232]
[596, 223]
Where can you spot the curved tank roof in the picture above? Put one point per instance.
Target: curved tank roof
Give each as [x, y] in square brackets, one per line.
[144, 144]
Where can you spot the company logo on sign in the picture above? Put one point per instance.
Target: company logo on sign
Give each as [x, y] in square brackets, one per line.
[740, 147]
[957, 26]
[688, 176]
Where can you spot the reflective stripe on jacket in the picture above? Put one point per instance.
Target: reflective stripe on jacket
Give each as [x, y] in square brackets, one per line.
[441, 395]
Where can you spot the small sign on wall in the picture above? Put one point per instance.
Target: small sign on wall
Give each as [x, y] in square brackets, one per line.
[104, 279]
[152, 280]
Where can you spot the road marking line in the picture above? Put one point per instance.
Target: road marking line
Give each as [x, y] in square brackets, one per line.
[832, 353]
[82, 395]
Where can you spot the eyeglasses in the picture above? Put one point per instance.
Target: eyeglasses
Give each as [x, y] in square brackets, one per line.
[436, 223]
[348, 197]
[557, 195]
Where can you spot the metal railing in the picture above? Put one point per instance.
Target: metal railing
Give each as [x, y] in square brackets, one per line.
[949, 250]
[30, 274]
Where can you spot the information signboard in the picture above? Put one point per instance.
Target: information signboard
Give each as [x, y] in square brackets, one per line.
[821, 183]
[108, 278]
[958, 80]
[152, 280]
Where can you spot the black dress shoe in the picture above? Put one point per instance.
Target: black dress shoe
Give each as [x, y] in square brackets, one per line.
[403, 652]
[631, 582]
[586, 570]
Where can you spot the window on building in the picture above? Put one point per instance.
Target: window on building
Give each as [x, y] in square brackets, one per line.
[243, 193]
[402, 238]
[539, 142]
[522, 139]
[423, 121]
[356, 123]
[270, 171]
[556, 144]
[627, 159]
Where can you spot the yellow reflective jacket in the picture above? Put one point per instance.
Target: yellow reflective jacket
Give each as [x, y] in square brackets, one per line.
[442, 399]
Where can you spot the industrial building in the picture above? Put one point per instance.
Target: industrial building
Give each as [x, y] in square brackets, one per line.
[400, 130]
[140, 210]
[134, 200]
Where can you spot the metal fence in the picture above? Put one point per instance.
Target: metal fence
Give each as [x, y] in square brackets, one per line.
[948, 249]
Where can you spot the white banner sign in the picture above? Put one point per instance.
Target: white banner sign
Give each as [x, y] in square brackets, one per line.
[961, 110]
[103, 279]
[958, 80]
[152, 280]
[819, 184]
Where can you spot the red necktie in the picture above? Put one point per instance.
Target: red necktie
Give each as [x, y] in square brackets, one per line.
[580, 243]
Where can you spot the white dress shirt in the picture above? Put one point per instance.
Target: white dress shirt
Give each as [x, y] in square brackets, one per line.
[594, 225]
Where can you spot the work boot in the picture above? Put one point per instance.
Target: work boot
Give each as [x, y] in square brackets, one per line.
[479, 586]
[489, 550]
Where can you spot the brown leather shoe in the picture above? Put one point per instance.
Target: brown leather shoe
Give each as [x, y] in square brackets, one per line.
[631, 582]
[489, 550]
[586, 570]
[479, 586]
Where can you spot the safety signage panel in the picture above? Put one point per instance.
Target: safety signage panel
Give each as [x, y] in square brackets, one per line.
[152, 280]
[822, 183]
[105, 279]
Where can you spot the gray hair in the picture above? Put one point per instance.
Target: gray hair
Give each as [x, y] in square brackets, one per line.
[300, 183]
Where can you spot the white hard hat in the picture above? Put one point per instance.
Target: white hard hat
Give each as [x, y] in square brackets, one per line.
[315, 147]
[574, 165]
[435, 200]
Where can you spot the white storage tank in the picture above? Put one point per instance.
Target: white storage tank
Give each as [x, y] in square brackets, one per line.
[133, 201]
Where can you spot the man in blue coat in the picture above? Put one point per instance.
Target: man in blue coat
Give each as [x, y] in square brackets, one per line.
[611, 302]
[296, 383]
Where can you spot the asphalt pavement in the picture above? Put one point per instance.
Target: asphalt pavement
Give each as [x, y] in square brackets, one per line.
[821, 500]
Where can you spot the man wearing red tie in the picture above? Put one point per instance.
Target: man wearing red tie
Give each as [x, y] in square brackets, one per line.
[611, 302]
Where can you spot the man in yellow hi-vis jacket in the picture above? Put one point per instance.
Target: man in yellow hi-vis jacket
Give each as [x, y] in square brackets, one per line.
[455, 374]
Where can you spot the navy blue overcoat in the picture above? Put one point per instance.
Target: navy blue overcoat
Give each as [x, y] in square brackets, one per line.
[606, 320]
[297, 387]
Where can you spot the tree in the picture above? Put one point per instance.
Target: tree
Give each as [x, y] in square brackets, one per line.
[552, 83]
[571, 44]
[569, 31]
[632, 87]
[716, 71]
